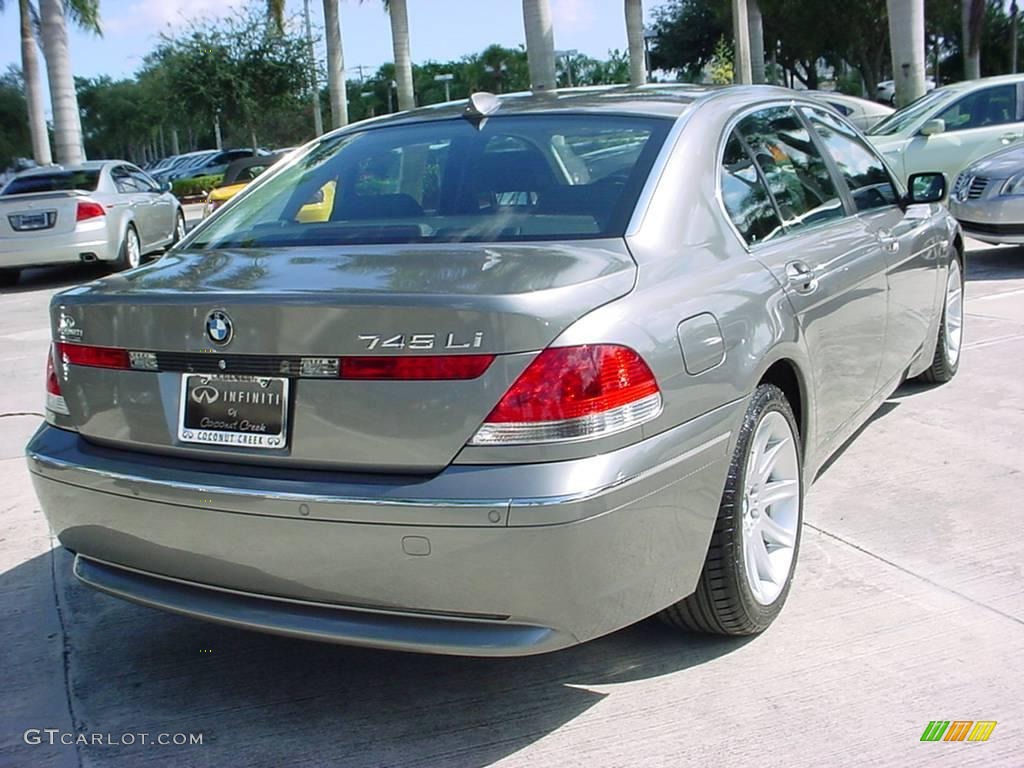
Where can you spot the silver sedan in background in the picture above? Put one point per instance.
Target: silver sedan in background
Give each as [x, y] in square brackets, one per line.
[103, 211]
[862, 113]
[988, 197]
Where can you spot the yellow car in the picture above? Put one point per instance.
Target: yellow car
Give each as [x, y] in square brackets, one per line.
[241, 172]
[236, 177]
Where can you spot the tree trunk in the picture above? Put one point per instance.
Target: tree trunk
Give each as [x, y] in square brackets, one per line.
[756, 25]
[174, 142]
[314, 81]
[635, 38]
[403, 59]
[741, 39]
[972, 18]
[540, 44]
[67, 125]
[33, 88]
[335, 65]
[906, 38]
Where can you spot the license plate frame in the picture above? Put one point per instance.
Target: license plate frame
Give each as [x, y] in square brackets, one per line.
[32, 221]
[219, 415]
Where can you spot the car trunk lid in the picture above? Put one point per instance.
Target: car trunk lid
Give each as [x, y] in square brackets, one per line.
[287, 307]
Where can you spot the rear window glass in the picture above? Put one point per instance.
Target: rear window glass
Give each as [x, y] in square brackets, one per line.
[514, 178]
[85, 181]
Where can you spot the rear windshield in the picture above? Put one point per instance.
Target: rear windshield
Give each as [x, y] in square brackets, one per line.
[53, 182]
[536, 177]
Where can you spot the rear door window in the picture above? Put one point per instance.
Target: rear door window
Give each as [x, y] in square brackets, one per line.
[798, 178]
[862, 169]
[745, 196]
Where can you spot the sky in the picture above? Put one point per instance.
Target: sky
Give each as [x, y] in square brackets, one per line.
[440, 30]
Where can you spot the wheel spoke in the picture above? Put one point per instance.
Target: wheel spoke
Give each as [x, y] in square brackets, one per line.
[763, 563]
[768, 459]
[776, 533]
[778, 491]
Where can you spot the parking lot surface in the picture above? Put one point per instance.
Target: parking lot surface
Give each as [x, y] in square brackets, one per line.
[907, 607]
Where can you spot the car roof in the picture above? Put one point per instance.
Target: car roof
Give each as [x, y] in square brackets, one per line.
[981, 82]
[88, 165]
[669, 100]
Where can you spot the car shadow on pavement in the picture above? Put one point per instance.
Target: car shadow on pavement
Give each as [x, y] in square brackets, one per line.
[265, 700]
[63, 276]
[1001, 263]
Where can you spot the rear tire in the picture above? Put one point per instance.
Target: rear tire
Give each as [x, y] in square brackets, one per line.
[9, 277]
[130, 255]
[179, 229]
[946, 358]
[757, 534]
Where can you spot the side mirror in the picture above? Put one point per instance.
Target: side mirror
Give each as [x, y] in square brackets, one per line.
[932, 127]
[926, 188]
[165, 186]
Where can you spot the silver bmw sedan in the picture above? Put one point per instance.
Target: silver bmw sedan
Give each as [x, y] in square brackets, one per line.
[101, 211]
[499, 377]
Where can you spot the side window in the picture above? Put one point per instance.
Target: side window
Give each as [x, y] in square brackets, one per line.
[745, 196]
[797, 176]
[865, 174]
[989, 106]
[123, 180]
[142, 181]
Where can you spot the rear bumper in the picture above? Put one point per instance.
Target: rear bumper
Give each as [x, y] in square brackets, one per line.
[522, 574]
[42, 249]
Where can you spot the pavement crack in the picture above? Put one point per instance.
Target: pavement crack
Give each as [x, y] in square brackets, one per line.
[925, 579]
[65, 653]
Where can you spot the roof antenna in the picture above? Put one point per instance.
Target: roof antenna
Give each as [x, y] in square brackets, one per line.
[481, 104]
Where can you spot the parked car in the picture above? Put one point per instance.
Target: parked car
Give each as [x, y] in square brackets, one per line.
[885, 91]
[179, 162]
[988, 197]
[511, 395]
[861, 112]
[947, 129]
[106, 211]
[236, 177]
[212, 165]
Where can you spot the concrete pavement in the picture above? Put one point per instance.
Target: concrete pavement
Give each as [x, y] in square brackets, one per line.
[908, 606]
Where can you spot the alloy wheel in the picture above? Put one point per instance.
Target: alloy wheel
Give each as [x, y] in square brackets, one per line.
[134, 249]
[771, 507]
[954, 314]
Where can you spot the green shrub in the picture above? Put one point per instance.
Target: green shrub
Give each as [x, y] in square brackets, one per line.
[197, 186]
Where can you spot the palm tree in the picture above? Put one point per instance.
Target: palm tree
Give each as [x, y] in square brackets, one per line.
[275, 14]
[33, 85]
[540, 44]
[635, 38]
[906, 37]
[972, 17]
[67, 124]
[399, 15]
[756, 23]
[335, 65]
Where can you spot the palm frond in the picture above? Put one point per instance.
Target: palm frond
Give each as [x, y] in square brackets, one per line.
[85, 14]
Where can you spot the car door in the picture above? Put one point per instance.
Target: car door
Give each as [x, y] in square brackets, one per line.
[161, 207]
[833, 274]
[976, 124]
[905, 237]
[140, 204]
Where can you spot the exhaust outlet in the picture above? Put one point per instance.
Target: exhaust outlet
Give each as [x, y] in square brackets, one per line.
[88, 258]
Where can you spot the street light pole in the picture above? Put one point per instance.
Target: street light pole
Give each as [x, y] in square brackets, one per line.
[567, 55]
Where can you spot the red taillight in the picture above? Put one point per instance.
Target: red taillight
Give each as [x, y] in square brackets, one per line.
[54, 398]
[88, 209]
[426, 368]
[93, 357]
[569, 393]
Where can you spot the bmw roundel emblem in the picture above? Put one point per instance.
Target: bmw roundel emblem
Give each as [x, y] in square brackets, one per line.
[218, 327]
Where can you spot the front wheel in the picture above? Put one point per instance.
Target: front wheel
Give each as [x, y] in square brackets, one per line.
[753, 550]
[946, 359]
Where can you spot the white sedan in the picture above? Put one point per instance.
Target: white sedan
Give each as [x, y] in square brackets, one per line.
[952, 126]
[104, 211]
